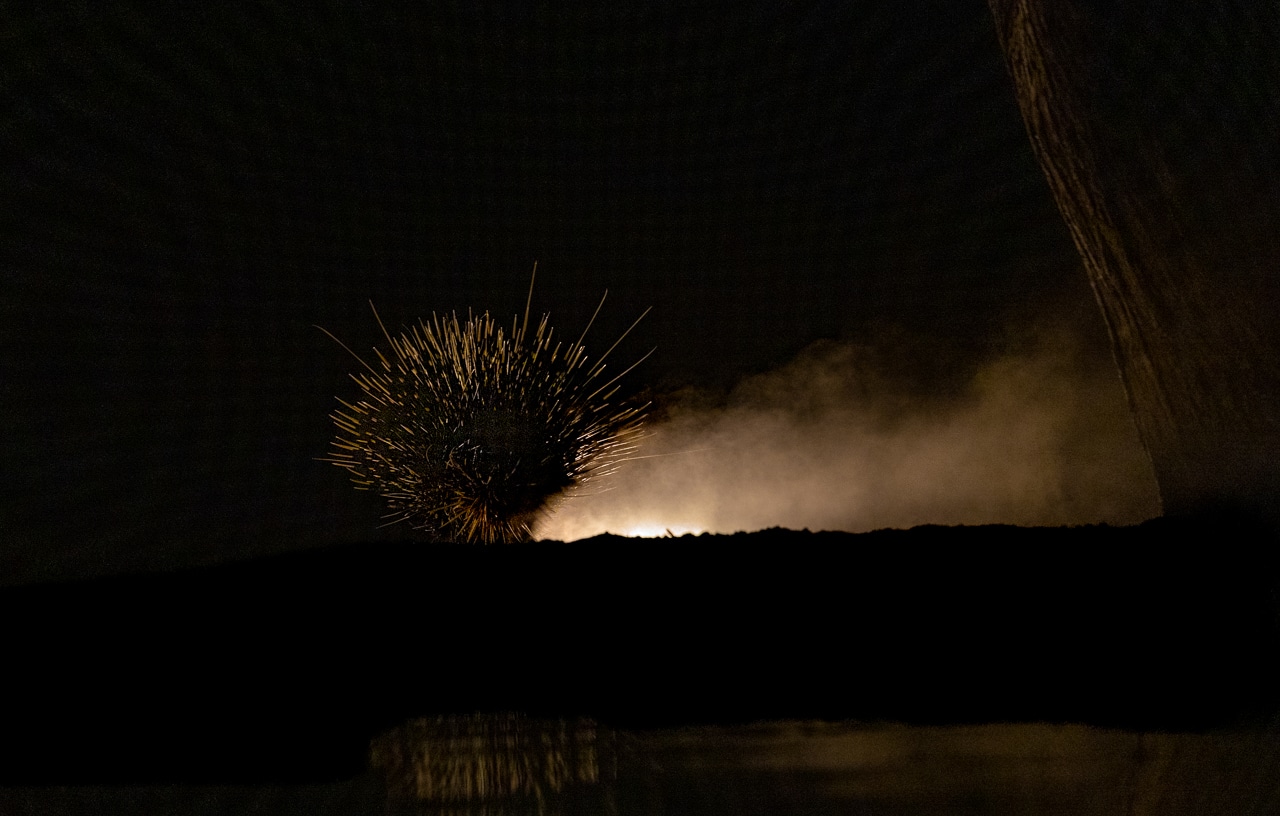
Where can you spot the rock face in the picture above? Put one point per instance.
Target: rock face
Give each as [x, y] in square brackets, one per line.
[1155, 126]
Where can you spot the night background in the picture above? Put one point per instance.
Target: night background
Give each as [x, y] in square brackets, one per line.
[190, 192]
[869, 317]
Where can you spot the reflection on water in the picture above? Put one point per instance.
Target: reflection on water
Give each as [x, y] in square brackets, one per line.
[484, 766]
[488, 758]
[509, 766]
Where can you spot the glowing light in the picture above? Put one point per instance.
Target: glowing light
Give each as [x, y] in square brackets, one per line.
[659, 531]
[832, 442]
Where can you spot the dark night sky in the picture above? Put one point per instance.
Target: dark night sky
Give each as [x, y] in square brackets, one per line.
[189, 190]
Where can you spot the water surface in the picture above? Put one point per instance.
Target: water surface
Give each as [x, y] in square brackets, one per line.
[793, 767]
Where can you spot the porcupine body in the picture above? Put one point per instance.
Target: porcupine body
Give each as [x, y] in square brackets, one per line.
[470, 433]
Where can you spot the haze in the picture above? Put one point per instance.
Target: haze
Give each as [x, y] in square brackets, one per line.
[833, 441]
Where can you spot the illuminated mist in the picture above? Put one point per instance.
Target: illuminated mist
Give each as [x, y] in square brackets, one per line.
[831, 441]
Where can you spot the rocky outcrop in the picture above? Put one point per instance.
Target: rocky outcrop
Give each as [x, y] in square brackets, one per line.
[1155, 125]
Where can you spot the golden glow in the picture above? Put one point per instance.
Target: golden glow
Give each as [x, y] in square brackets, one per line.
[828, 442]
[660, 531]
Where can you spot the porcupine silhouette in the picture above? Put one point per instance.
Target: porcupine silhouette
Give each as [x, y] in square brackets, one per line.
[471, 433]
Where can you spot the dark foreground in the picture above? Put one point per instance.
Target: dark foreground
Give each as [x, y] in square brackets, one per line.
[283, 669]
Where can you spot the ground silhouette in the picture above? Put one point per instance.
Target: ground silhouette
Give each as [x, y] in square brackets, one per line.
[285, 667]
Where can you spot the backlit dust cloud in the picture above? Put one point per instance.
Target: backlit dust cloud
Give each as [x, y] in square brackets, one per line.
[827, 442]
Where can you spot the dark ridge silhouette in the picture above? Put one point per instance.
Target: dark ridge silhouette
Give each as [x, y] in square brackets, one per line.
[284, 668]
